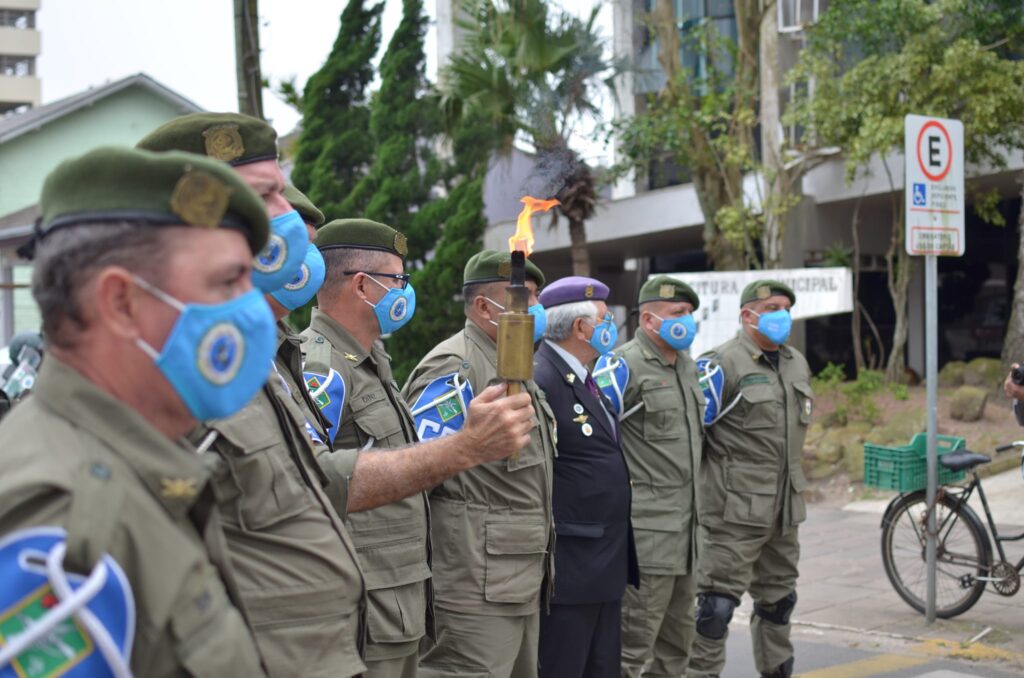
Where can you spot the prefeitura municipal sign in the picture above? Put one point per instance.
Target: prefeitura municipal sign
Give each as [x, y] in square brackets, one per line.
[934, 186]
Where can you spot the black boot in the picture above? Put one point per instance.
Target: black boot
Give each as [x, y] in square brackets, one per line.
[783, 670]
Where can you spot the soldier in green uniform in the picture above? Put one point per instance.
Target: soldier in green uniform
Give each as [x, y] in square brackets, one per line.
[759, 404]
[492, 529]
[653, 383]
[142, 276]
[366, 412]
[296, 566]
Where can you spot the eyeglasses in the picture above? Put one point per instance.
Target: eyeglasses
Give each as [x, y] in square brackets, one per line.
[400, 277]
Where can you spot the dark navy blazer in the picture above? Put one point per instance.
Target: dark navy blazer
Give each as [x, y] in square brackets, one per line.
[595, 556]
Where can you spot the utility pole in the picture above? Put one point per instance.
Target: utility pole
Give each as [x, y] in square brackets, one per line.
[247, 58]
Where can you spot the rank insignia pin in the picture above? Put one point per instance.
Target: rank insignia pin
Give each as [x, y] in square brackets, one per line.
[582, 419]
[178, 488]
[571, 377]
[352, 357]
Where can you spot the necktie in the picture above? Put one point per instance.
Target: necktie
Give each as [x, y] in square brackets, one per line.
[592, 387]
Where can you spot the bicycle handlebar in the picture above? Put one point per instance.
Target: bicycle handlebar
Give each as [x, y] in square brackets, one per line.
[1010, 446]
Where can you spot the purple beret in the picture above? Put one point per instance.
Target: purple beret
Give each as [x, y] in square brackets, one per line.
[572, 289]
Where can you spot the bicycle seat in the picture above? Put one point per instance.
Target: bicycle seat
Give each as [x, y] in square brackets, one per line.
[963, 459]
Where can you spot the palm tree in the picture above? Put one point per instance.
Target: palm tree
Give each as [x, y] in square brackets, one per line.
[534, 73]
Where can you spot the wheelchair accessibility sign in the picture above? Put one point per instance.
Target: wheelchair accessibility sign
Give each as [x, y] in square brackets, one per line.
[920, 195]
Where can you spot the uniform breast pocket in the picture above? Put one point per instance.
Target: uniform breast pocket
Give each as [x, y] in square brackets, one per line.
[268, 487]
[515, 561]
[377, 422]
[760, 406]
[663, 413]
[805, 400]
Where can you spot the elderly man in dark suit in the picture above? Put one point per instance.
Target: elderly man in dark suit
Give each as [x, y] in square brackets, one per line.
[594, 557]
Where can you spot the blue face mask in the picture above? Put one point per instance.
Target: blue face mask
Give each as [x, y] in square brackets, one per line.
[278, 262]
[605, 335]
[217, 356]
[679, 332]
[306, 282]
[395, 308]
[540, 319]
[775, 326]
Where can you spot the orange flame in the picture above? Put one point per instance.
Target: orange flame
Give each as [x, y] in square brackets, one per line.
[523, 239]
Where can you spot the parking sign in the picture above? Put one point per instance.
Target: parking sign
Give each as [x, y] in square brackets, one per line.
[934, 186]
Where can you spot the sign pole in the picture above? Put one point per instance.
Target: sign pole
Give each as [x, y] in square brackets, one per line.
[932, 378]
[934, 202]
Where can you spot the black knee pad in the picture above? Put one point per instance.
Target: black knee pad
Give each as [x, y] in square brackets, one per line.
[778, 612]
[714, 612]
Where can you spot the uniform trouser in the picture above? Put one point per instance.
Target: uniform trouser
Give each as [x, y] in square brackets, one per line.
[581, 641]
[399, 667]
[736, 559]
[479, 645]
[658, 621]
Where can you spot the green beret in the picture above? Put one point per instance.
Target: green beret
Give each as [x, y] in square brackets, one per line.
[124, 184]
[232, 137]
[667, 288]
[361, 234]
[304, 206]
[762, 289]
[493, 266]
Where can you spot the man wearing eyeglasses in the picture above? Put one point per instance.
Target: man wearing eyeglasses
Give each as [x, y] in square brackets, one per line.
[377, 477]
[595, 557]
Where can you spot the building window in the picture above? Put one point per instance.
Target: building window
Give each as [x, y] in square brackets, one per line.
[18, 18]
[17, 66]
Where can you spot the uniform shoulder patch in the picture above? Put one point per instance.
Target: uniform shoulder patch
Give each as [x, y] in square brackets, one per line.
[440, 410]
[611, 374]
[328, 393]
[712, 381]
[44, 628]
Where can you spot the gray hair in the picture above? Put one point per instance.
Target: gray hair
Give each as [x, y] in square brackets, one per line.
[341, 259]
[67, 260]
[560, 318]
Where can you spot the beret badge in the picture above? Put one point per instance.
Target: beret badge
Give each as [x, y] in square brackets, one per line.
[200, 199]
[223, 142]
[401, 246]
[667, 291]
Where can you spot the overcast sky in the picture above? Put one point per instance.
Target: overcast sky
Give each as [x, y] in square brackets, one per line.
[188, 45]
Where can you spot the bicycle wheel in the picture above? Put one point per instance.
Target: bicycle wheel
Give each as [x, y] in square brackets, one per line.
[963, 553]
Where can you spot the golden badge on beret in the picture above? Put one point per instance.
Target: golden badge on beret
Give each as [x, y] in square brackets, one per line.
[505, 269]
[588, 292]
[667, 291]
[763, 292]
[200, 199]
[401, 246]
[223, 142]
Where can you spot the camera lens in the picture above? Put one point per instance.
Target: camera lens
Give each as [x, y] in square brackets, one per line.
[1017, 375]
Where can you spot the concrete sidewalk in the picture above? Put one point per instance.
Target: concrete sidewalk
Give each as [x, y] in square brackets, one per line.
[843, 584]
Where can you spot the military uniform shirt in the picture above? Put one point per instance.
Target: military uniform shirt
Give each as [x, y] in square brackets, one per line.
[296, 566]
[392, 541]
[662, 444]
[492, 524]
[751, 473]
[77, 458]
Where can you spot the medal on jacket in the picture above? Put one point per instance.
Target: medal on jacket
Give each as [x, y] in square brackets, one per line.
[587, 430]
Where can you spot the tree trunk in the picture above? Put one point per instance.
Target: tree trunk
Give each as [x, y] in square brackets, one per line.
[771, 144]
[855, 331]
[247, 59]
[901, 268]
[1013, 344]
[580, 255]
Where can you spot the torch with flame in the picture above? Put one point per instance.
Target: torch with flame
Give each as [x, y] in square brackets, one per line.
[515, 325]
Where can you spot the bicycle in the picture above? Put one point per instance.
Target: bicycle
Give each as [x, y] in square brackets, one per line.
[964, 557]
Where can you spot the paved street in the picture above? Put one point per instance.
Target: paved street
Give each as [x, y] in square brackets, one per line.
[850, 622]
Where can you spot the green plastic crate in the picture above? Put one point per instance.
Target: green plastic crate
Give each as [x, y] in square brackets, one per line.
[905, 468]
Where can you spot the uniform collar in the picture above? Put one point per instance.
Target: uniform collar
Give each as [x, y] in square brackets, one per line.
[171, 470]
[651, 350]
[574, 364]
[286, 335]
[755, 352]
[482, 341]
[338, 337]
